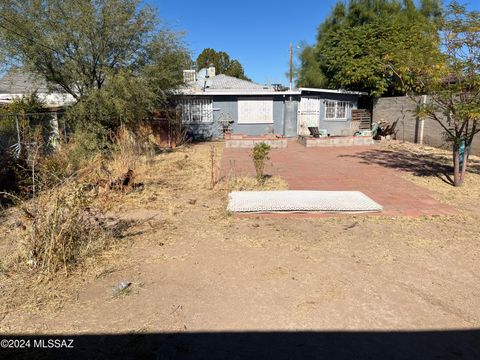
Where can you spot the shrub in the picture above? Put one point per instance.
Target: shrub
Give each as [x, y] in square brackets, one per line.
[259, 155]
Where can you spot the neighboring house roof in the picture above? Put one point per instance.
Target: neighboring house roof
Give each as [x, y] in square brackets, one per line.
[18, 82]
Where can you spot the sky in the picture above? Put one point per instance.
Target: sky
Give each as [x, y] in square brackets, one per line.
[256, 33]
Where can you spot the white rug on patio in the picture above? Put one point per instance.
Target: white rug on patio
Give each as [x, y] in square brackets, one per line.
[301, 201]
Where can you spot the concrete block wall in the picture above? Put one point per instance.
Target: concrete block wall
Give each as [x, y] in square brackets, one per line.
[402, 108]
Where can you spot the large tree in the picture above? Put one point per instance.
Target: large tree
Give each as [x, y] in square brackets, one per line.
[358, 39]
[222, 62]
[452, 81]
[112, 56]
[78, 45]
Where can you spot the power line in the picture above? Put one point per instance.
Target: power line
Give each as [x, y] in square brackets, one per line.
[25, 36]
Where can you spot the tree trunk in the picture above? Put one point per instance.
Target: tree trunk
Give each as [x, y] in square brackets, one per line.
[457, 178]
[466, 155]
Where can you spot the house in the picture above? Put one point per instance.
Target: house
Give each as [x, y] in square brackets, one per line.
[210, 103]
[17, 83]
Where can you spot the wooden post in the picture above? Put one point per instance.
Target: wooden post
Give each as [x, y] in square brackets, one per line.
[291, 66]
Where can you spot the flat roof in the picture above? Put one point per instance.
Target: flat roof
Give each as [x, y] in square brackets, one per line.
[267, 93]
[334, 91]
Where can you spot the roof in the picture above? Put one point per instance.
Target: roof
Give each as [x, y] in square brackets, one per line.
[223, 84]
[227, 85]
[348, 92]
[18, 81]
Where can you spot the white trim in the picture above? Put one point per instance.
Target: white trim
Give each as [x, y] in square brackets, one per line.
[334, 91]
[348, 108]
[241, 92]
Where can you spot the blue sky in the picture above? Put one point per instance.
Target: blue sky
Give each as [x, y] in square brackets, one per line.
[257, 33]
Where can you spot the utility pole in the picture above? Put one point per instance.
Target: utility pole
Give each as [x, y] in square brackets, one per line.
[291, 66]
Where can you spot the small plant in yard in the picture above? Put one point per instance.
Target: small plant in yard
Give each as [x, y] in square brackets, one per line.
[259, 155]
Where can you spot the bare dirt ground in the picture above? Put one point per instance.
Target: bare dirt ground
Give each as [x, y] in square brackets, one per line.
[194, 267]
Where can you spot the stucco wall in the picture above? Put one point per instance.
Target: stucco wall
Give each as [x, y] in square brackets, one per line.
[284, 120]
[335, 127]
[402, 108]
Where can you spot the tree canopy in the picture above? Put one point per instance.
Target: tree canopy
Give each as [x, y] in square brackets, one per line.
[452, 81]
[113, 53]
[222, 62]
[359, 41]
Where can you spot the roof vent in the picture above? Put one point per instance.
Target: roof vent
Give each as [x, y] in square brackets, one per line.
[189, 76]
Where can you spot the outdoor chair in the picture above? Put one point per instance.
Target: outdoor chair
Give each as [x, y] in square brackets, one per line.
[316, 133]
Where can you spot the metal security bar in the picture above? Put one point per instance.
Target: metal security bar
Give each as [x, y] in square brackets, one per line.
[197, 110]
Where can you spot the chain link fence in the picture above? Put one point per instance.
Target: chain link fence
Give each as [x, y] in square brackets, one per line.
[22, 135]
[17, 131]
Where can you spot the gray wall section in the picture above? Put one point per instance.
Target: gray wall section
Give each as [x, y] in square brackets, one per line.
[402, 108]
[290, 118]
[285, 110]
[335, 127]
[228, 107]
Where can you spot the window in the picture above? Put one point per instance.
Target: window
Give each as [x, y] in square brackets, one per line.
[337, 110]
[197, 110]
[255, 111]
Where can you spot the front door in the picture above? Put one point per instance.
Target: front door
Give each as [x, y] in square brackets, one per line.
[308, 114]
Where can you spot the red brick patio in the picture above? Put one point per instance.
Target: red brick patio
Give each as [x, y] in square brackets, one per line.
[341, 168]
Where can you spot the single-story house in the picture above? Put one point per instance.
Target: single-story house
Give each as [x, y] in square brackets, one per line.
[209, 102]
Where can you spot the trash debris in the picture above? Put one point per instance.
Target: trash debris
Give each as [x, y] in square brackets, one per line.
[122, 288]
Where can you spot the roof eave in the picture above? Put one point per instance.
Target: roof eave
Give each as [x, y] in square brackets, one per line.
[347, 92]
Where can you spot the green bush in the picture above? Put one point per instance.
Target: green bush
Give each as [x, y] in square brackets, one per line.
[259, 155]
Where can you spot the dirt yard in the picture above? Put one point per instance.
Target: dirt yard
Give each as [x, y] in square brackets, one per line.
[195, 268]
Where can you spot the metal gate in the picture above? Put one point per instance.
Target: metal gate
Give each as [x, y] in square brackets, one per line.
[308, 114]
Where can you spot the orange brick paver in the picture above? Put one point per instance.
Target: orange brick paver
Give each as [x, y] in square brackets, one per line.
[340, 168]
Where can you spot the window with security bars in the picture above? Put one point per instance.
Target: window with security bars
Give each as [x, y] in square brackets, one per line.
[337, 110]
[197, 110]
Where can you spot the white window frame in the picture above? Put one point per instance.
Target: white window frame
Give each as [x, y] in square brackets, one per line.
[197, 110]
[338, 104]
[264, 117]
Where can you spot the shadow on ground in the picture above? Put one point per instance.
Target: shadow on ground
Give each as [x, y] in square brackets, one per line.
[419, 164]
[455, 344]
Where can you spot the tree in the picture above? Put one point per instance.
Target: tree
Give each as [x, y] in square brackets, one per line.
[452, 81]
[310, 73]
[111, 55]
[357, 40]
[81, 45]
[222, 62]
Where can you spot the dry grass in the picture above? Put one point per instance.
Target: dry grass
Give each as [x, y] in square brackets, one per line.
[78, 240]
[464, 197]
[246, 183]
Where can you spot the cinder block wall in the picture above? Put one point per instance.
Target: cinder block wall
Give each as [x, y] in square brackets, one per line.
[402, 108]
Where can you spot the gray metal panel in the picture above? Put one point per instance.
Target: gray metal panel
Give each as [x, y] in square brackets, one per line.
[290, 118]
